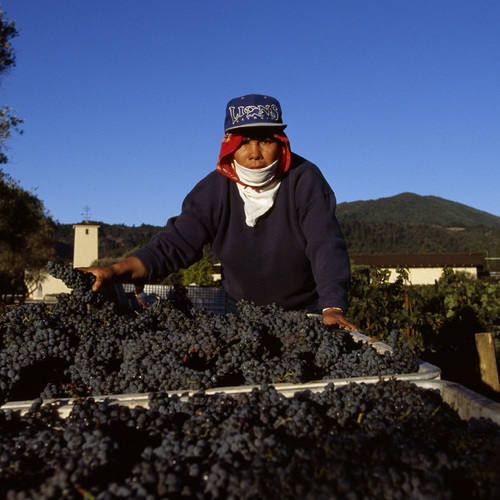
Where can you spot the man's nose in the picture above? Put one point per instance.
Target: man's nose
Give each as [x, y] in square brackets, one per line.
[255, 150]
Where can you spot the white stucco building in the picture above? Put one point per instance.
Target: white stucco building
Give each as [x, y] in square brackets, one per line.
[423, 268]
[85, 251]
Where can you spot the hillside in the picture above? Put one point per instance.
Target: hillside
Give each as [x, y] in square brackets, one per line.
[405, 223]
[115, 240]
[415, 209]
[410, 223]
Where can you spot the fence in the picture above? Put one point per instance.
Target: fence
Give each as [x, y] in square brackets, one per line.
[202, 297]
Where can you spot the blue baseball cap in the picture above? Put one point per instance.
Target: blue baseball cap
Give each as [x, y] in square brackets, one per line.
[253, 110]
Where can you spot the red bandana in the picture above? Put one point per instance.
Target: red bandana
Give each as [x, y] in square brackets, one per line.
[230, 144]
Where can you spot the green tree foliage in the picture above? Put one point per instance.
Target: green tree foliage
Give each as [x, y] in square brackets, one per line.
[377, 304]
[8, 123]
[199, 273]
[8, 120]
[8, 31]
[26, 238]
[365, 237]
[26, 232]
[440, 322]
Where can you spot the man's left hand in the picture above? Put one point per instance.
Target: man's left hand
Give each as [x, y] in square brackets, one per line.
[332, 316]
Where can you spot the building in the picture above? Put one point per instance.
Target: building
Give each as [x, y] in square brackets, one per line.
[85, 251]
[423, 268]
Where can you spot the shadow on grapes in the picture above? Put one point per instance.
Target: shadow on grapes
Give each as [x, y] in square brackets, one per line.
[34, 378]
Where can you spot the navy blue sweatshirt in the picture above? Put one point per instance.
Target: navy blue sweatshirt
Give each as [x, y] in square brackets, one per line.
[294, 255]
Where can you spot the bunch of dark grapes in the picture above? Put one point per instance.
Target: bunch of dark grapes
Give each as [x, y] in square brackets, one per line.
[79, 281]
[385, 440]
[85, 345]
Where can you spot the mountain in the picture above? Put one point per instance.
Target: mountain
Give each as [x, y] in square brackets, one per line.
[415, 209]
[405, 223]
[410, 223]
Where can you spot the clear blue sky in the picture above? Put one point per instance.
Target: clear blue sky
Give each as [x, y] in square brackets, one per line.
[124, 100]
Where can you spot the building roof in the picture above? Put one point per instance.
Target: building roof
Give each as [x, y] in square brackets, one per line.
[419, 260]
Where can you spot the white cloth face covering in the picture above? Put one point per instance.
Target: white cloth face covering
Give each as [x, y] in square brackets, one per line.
[259, 192]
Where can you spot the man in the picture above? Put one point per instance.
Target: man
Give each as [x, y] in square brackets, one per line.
[269, 216]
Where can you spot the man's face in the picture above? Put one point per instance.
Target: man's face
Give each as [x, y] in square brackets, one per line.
[258, 149]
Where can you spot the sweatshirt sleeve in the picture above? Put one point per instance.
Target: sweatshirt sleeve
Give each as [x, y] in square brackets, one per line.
[326, 247]
[181, 243]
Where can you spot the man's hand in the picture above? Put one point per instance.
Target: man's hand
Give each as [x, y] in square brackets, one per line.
[335, 316]
[130, 270]
[105, 276]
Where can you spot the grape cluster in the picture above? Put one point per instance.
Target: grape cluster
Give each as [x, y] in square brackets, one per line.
[83, 345]
[387, 440]
[79, 281]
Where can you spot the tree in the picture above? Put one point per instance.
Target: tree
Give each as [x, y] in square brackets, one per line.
[26, 239]
[26, 230]
[8, 121]
[8, 31]
[200, 273]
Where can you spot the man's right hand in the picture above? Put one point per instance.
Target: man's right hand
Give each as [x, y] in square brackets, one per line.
[130, 270]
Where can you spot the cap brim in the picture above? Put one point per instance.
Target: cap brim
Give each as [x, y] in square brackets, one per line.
[253, 125]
